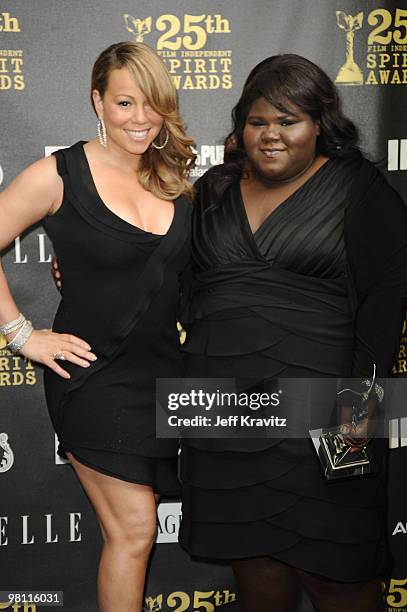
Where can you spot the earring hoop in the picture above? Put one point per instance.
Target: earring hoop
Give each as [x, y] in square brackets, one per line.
[101, 129]
[164, 144]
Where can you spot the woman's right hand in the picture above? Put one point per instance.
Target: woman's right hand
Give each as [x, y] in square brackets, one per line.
[355, 435]
[44, 344]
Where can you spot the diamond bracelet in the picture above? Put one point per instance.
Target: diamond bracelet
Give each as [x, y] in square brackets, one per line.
[17, 343]
[12, 325]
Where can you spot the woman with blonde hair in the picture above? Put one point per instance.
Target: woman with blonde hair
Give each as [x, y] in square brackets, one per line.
[116, 209]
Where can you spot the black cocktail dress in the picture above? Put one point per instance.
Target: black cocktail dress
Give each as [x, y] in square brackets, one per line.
[317, 291]
[120, 293]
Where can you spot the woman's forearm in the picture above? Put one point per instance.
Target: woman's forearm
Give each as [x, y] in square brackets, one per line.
[8, 307]
[27, 200]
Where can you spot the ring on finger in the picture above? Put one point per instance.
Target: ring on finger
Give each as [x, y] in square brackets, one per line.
[59, 356]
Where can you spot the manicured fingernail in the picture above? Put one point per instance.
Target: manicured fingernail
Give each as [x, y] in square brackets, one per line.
[93, 357]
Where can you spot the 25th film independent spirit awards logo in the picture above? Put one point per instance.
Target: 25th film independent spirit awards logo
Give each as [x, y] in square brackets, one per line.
[182, 44]
[400, 367]
[11, 60]
[375, 47]
[180, 601]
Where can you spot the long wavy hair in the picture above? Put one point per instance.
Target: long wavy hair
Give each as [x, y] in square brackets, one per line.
[164, 172]
[285, 80]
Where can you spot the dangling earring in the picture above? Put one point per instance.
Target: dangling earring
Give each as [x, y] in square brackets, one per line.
[164, 144]
[102, 132]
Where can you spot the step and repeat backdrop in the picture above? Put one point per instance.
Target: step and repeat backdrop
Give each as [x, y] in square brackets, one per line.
[48, 533]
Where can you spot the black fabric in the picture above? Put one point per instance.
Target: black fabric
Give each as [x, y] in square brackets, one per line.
[317, 291]
[267, 584]
[120, 293]
[157, 472]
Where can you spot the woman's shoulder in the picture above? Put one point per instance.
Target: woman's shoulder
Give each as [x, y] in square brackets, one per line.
[372, 198]
[205, 192]
[64, 154]
[374, 179]
[73, 149]
[365, 182]
[211, 175]
[364, 173]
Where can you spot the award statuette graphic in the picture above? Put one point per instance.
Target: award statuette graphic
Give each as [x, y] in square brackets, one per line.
[153, 604]
[331, 444]
[349, 73]
[139, 27]
[338, 461]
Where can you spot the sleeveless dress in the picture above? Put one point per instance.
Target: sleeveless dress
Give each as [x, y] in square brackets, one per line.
[316, 291]
[121, 288]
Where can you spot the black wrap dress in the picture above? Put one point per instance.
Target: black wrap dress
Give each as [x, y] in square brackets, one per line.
[120, 293]
[317, 291]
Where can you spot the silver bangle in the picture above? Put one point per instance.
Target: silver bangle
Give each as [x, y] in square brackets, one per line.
[17, 343]
[7, 328]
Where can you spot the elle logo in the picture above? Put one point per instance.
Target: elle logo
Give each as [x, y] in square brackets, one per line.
[47, 536]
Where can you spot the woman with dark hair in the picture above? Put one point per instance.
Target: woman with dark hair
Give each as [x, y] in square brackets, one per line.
[300, 263]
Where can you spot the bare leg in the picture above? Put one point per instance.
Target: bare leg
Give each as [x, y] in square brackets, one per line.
[127, 517]
[265, 584]
[327, 596]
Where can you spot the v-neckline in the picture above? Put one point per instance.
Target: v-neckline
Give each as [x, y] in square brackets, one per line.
[282, 204]
[117, 217]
